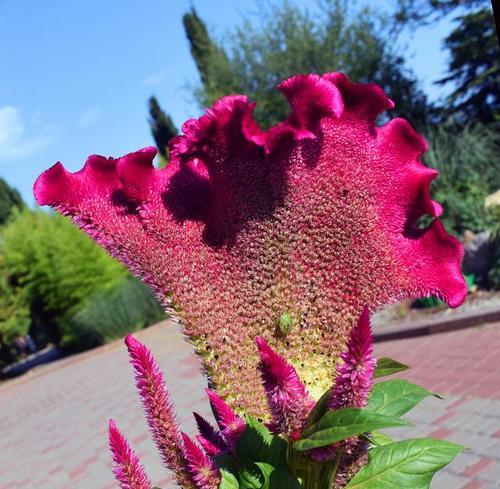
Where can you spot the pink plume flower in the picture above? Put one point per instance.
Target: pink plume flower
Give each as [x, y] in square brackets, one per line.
[209, 438]
[201, 468]
[287, 397]
[231, 425]
[352, 386]
[315, 218]
[158, 408]
[355, 376]
[128, 471]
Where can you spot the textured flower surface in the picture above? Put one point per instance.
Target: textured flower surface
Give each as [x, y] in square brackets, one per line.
[284, 234]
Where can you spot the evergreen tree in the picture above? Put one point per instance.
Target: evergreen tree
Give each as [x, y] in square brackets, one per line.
[474, 66]
[285, 40]
[162, 127]
[9, 198]
[211, 61]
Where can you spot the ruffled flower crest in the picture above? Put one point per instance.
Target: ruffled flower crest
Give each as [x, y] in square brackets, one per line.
[312, 219]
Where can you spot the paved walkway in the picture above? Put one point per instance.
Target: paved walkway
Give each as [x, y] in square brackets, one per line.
[53, 421]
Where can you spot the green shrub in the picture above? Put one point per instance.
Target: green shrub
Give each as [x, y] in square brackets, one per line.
[469, 168]
[50, 267]
[108, 315]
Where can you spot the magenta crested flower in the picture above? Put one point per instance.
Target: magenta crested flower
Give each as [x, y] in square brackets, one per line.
[128, 471]
[309, 221]
[287, 397]
[231, 425]
[354, 378]
[160, 415]
[202, 469]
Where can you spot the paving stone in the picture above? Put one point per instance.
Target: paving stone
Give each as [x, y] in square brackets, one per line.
[54, 419]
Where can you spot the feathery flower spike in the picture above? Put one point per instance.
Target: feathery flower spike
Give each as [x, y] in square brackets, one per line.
[158, 408]
[287, 397]
[355, 376]
[203, 471]
[211, 440]
[230, 424]
[310, 220]
[128, 471]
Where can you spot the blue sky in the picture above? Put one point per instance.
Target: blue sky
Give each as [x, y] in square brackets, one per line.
[75, 76]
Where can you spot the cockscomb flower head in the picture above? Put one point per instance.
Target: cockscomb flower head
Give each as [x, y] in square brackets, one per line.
[288, 400]
[284, 234]
[128, 471]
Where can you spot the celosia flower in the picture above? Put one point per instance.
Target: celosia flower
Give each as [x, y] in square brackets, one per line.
[230, 424]
[158, 408]
[201, 468]
[309, 221]
[352, 386]
[211, 440]
[287, 397]
[128, 471]
[354, 378]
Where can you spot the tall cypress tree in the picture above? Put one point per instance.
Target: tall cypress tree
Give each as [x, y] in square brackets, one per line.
[9, 198]
[162, 126]
[211, 60]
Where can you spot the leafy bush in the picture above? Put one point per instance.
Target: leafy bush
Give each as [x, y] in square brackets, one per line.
[112, 314]
[469, 170]
[51, 269]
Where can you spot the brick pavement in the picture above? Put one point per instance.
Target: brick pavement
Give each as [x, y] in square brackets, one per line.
[53, 421]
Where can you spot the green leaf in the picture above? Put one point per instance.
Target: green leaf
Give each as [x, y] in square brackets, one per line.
[380, 439]
[388, 366]
[338, 425]
[228, 480]
[395, 397]
[277, 478]
[228, 471]
[319, 408]
[257, 444]
[409, 463]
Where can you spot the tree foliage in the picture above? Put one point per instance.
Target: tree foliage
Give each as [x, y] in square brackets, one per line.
[474, 57]
[50, 275]
[469, 168]
[162, 126]
[9, 198]
[284, 40]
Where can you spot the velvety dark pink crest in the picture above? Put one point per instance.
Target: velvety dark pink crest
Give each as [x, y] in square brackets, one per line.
[209, 438]
[288, 400]
[231, 425]
[314, 219]
[158, 407]
[201, 468]
[128, 471]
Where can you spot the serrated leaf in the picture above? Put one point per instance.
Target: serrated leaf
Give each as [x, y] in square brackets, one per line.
[388, 366]
[338, 425]
[395, 397]
[319, 408]
[409, 463]
[277, 478]
[228, 480]
[227, 468]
